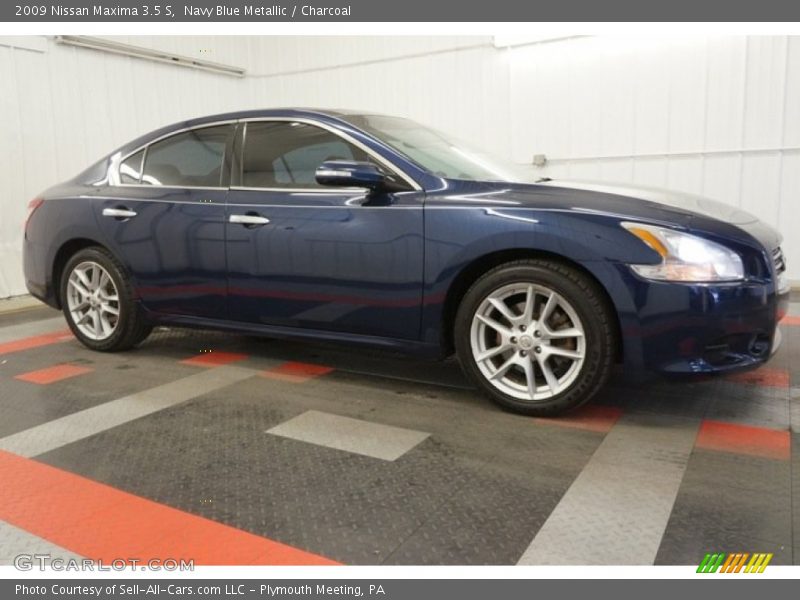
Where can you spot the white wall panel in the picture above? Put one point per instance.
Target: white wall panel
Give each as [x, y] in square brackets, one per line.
[717, 115]
[685, 174]
[651, 99]
[764, 92]
[722, 177]
[789, 206]
[791, 109]
[726, 69]
[761, 183]
[650, 171]
[687, 75]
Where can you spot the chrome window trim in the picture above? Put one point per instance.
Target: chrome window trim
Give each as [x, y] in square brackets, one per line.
[324, 191]
[114, 178]
[170, 187]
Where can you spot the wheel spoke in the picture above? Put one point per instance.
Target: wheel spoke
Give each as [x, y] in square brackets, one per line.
[493, 324]
[84, 317]
[565, 352]
[530, 296]
[95, 278]
[530, 377]
[492, 352]
[81, 290]
[104, 279]
[81, 274]
[98, 323]
[83, 305]
[559, 334]
[503, 369]
[549, 376]
[108, 309]
[551, 303]
[503, 309]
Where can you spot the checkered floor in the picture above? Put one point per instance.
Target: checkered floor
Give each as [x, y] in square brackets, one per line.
[288, 453]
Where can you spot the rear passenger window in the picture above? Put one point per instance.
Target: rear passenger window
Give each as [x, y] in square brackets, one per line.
[130, 171]
[190, 159]
[286, 155]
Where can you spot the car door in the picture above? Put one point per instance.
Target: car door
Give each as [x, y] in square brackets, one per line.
[164, 217]
[303, 255]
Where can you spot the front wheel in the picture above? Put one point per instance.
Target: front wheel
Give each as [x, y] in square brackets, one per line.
[98, 302]
[536, 336]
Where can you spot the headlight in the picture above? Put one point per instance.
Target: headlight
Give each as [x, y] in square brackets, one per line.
[685, 257]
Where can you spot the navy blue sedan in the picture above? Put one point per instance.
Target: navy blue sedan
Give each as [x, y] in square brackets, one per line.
[374, 230]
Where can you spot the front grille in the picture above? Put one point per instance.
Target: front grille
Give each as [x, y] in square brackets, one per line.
[778, 260]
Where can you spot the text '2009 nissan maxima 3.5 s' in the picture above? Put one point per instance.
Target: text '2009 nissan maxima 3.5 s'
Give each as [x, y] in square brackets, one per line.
[371, 229]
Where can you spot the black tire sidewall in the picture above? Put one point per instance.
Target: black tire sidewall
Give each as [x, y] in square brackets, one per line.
[127, 306]
[584, 297]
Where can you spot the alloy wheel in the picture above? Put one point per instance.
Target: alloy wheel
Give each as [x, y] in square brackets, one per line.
[93, 300]
[528, 341]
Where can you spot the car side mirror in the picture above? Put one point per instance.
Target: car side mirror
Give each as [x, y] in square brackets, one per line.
[350, 173]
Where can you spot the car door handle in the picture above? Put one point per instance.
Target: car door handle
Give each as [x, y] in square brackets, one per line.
[249, 219]
[118, 213]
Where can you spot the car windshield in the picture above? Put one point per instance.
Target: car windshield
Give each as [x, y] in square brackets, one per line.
[439, 153]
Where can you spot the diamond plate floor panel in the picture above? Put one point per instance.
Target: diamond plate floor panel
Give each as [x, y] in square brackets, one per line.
[730, 503]
[478, 490]
[616, 510]
[210, 456]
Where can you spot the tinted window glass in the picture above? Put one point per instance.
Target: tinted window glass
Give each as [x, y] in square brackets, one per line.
[192, 158]
[286, 155]
[130, 171]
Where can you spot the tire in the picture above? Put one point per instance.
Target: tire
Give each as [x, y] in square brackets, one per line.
[575, 341]
[116, 332]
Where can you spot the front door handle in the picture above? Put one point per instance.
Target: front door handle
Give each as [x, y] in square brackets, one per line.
[250, 219]
[118, 213]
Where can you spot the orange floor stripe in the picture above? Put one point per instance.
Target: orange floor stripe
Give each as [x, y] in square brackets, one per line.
[744, 439]
[100, 522]
[296, 372]
[36, 341]
[790, 320]
[592, 417]
[53, 374]
[764, 376]
[214, 359]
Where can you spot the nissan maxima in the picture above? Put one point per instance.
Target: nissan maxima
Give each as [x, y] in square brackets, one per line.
[374, 230]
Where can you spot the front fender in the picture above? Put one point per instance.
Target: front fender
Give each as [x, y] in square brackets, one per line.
[456, 239]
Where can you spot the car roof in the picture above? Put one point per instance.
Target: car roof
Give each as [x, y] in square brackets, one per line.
[277, 112]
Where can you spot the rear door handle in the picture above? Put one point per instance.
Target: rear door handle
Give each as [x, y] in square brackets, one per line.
[118, 213]
[252, 220]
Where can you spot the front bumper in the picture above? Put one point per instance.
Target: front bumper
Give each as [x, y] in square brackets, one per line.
[685, 329]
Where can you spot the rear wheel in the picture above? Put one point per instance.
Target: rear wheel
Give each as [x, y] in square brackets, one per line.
[98, 302]
[536, 336]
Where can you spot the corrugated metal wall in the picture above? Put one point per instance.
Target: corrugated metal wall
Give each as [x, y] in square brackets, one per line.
[718, 115]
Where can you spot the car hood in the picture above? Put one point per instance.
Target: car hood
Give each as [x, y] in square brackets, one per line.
[649, 203]
[682, 202]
